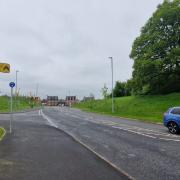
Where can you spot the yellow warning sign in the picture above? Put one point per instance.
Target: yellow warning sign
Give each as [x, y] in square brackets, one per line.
[4, 68]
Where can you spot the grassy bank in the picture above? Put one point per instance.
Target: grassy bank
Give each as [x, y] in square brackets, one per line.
[147, 108]
[2, 133]
[20, 103]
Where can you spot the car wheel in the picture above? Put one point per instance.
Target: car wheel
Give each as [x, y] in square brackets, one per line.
[173, 127]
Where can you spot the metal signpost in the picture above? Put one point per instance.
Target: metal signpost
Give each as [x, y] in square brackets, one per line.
[5, 68]
[111, 58]
[12, 85]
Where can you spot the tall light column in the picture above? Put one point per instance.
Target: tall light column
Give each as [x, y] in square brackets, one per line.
[16, 82]
[37, 89]
[111, 58]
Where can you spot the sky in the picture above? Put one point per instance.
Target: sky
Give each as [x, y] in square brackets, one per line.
[61, 47]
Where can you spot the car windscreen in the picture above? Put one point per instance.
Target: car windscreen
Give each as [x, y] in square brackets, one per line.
[176, 111]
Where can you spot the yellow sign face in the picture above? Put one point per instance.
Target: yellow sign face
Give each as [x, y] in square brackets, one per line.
[4, 68]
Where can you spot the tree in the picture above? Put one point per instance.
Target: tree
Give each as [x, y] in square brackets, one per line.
[119, 89]
[129, 87]
[104, 91]
[122, 89]
[156, 52]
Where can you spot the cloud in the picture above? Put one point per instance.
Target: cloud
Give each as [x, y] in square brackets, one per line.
[64, 45]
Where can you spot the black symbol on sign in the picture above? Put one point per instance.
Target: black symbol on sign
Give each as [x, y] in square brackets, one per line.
[6, 69]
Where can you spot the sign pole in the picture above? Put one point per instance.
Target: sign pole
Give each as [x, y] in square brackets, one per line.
[11, 84]
[11, 111]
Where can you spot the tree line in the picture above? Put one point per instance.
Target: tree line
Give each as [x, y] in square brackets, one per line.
[156, 55]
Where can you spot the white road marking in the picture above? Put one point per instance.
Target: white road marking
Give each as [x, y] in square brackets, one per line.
[166, 139]
[49, 120]
[144, 131]
[134, 132]
[88, 147]
[147, 134]
[132, 129]
[39, 112]
[75, 116]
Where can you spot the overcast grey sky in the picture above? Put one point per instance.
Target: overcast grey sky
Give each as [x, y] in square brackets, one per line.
[64, 45]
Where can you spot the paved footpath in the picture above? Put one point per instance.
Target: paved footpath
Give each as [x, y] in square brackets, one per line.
[36, 151]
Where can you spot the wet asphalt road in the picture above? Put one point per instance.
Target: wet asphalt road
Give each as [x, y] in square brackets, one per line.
[37, 151]
[145, 151]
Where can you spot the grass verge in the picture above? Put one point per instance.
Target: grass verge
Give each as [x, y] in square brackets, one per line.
[2, 133]
[19, 104]
[146, 108]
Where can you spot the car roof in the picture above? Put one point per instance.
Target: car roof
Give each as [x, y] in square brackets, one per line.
[176, 107]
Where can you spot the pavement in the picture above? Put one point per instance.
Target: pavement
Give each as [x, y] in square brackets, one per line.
[144, 151]
[37, 151]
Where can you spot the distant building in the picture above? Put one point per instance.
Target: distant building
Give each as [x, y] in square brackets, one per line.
[70, 100]
[44, 102]
[37, 99]
[61, 102]
[52, 100]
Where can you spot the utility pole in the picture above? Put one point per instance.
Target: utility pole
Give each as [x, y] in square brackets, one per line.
[16, 91]
[111, 58]
[16, 82]
[11, 84]
[37, 89]
[11, 110]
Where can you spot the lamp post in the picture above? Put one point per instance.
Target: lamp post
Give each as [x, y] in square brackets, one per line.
[111, 58]
[37, 89]
[16, 82]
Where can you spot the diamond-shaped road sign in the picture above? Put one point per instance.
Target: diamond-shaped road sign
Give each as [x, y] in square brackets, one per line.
[4, 68]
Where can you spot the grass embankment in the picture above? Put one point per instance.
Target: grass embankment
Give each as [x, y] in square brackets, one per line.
[20, 103]
[147, 108]
[2, 133]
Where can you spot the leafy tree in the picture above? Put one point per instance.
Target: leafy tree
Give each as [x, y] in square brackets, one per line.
[104, 91]
[156, 52]
[120, 89]
[129, 87]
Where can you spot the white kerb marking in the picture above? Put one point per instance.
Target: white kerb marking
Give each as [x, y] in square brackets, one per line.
[49, 120]
[125, 129]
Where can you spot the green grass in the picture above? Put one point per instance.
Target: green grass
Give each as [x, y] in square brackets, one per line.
[2, 133]
[147, 108]
[19, 104]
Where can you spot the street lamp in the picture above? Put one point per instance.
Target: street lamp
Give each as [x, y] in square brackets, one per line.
[37, 89]
[16, 82]
[111, 58]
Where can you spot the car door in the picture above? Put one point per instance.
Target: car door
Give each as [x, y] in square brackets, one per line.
[176, 115]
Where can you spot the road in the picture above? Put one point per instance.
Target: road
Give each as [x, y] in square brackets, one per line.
[144, 151]
[37, 151]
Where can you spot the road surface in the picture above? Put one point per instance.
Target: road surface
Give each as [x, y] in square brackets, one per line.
[145, 151]
[37, 151]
